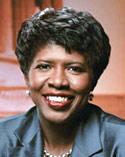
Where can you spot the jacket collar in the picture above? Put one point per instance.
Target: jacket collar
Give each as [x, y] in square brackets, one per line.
[28, 128]
[29, 137]
[88, 140]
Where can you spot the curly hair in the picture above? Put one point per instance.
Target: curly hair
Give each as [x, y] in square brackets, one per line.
[71, 29]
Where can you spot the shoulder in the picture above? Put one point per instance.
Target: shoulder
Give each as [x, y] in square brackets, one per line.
[112, 130]
[106, 118]
[10, 124]
[112, 123]
[108, 121]
[14, 121]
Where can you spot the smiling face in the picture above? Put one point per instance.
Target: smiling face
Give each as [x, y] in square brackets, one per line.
[59, 83]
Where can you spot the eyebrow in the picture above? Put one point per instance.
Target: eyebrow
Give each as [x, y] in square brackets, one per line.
[68, 62]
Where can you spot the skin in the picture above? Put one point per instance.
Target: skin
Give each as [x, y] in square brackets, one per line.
[54, 72]
[59, 84]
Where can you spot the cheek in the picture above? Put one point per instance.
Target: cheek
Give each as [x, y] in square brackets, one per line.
[36, 81]
[81, 84]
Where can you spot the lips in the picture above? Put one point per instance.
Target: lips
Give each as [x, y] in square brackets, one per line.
[59, 102]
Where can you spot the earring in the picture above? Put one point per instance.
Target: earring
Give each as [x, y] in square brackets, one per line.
[28, 92]
[90, 97]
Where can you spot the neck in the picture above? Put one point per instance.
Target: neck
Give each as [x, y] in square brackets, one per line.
[58, 138]
[58, 133]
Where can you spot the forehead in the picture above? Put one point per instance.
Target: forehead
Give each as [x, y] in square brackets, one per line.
[56, 52]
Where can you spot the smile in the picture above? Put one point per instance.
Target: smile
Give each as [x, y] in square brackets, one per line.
[57, 98]
[59, 102]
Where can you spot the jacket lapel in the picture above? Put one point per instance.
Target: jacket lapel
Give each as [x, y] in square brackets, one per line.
[29, 142]
[31, 149]
[29, 138]
[88, 141]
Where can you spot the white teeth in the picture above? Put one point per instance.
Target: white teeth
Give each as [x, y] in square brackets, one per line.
[57, 98]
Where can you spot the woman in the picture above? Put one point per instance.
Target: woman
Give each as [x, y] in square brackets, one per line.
[62, 55]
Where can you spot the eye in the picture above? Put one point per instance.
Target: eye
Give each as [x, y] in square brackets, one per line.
[43, 67]
[76, 69]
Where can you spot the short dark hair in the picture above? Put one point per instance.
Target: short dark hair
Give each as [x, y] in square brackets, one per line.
[71, 29]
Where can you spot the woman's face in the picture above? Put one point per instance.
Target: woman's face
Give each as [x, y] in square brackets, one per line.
[59, 83]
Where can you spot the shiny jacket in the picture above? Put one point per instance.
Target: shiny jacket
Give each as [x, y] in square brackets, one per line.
[100, 135]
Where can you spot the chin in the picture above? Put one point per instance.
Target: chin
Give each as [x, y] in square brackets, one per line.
[58, 118]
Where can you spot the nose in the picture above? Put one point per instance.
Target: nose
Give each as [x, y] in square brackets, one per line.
[58, 79]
